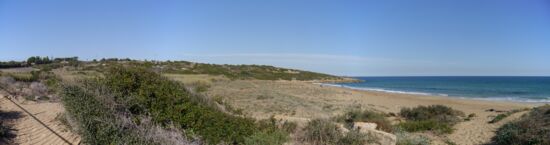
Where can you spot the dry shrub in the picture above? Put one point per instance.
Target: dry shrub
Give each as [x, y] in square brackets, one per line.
[322, 131]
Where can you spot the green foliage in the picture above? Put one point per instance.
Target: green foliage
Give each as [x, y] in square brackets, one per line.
[325, 132]
[38, 60]
[261, 72]
[531, 129]
[405, 138]
[320, 131]
[23, 77]
[433, 112]
[147, 93]
[437, 118]
[97, 124]
[275, 137]
[48, 67]
[355, 137]
[200, 86]
[426, 125]
[366, 116]
[12, 64]
[500, 117]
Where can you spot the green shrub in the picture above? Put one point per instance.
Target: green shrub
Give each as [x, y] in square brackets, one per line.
[500, 117]
[96, 123]
[433, 112]
[23, 77]
[355, 137]
[366, 116]
[531, 129]
[426, 125]
[321, 131]
[405, 138]
[147, 93]
[268, 133]
[437, 118]
[276, 137]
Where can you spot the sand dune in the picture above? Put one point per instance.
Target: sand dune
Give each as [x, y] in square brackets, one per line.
[288, 99]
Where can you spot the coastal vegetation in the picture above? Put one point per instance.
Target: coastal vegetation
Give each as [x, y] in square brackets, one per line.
[436, 118]
[118, 101]
[326, 132]
[127, 96]
[531, 129]
[500, 117]
[356, 115]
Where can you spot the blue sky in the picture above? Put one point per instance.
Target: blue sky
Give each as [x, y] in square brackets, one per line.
[358, 38]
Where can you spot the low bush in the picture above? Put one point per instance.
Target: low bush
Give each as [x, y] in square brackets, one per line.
[96, 123]
[23, 77]
[426, 125]
[500, 117]
[434, 112]
[355, 137]
[326, 132]
[322, 131]
[531, 129]
[405, 138]
[436, 118]
[275, 137]
[135, 93]
[147, 93]
[366, 116]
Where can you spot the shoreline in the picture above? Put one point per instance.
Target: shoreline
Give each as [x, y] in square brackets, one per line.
[495, 99]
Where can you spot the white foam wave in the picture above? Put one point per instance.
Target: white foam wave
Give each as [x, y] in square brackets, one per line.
[511, 99]
[384, 90]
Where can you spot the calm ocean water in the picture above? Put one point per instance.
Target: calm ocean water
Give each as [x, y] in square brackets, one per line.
[523, 89]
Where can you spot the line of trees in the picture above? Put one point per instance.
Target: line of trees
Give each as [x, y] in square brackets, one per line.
[38, 60]
[34, 60]
[12, 64]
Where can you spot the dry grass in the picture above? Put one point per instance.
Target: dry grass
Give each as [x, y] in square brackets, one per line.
[192, 78]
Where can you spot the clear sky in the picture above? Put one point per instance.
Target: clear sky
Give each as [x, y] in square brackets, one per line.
[359, 38]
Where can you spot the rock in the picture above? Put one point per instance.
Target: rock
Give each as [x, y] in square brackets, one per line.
[364, 125]
[342, 128]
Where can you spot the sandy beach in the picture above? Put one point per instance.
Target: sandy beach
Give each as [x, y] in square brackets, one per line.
[301, 101]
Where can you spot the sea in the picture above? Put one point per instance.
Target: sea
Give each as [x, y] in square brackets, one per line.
[517, 89]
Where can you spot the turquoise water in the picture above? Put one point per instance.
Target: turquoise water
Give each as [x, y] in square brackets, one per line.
[522, 89]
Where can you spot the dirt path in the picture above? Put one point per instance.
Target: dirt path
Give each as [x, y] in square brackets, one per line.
[479, 134]
[30, 131]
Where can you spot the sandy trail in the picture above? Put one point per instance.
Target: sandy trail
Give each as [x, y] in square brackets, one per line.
[31, 132]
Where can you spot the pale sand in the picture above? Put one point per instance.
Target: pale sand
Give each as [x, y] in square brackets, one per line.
[31, 132]
[300, 101]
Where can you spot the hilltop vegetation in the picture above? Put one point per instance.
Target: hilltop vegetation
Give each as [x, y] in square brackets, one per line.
[133, 97]
[260, 72]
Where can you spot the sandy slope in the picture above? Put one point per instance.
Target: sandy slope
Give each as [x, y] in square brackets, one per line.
[31, 132]
[261, 99]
